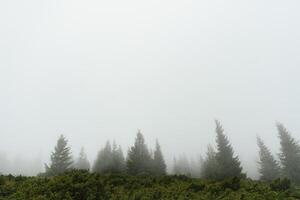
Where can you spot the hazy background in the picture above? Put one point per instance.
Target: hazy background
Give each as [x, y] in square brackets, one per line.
[98, 70]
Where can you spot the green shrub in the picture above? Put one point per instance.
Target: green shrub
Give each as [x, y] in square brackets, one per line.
[280, 184]
[79, 185]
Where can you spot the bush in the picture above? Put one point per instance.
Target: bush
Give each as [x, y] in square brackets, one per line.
[280, 184]
[79, 185]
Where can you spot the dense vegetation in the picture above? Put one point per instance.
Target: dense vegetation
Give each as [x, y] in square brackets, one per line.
[143, 174]
[79, 185]
[220, 162]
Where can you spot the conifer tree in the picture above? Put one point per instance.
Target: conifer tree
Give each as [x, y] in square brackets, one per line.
[209, 166]
[289, 154]
[268, 167]
[118, 160]
[103, 163]
[61, 159]
[139, 158]
[82, 162]
[110, 160]
[228, 164]
[159, 164]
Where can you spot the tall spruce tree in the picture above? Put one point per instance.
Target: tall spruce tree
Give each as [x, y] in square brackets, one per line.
[268, 167]
[289, 154]
[118, 160]
[82, 161]
[103, 162]
[159, 164]
[61, 159]
[209, 166]
[228, 164]
[110, 159]
[138, 158]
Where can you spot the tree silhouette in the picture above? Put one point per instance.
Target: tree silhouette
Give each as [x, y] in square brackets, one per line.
[139, 158]
[209, 166]
[103, 163]
[228, 164]
[61, 159]
[159, 164]
[82, 162]
[268, 167]
[110, 160]
[289, 154]
[118, 160]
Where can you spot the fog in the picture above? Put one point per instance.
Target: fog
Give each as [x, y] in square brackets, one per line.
[101, 70]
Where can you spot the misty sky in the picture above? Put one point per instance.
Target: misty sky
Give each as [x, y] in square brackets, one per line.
[97, 70]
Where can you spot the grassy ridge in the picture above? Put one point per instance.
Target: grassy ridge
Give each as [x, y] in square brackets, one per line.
[82, 185]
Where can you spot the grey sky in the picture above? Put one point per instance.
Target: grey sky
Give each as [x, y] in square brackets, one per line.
[98, 70]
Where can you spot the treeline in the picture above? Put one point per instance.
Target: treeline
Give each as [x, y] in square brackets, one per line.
[110, 159]
[219, 163]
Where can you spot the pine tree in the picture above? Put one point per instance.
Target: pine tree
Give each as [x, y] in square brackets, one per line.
[268, 167]
[229, 166]
[139, 158]
[103, 163]
[159, 164]
[61, 159]
[110, 160]
[82, 162]
[289, 154]
[209, 166]
[118, 160]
